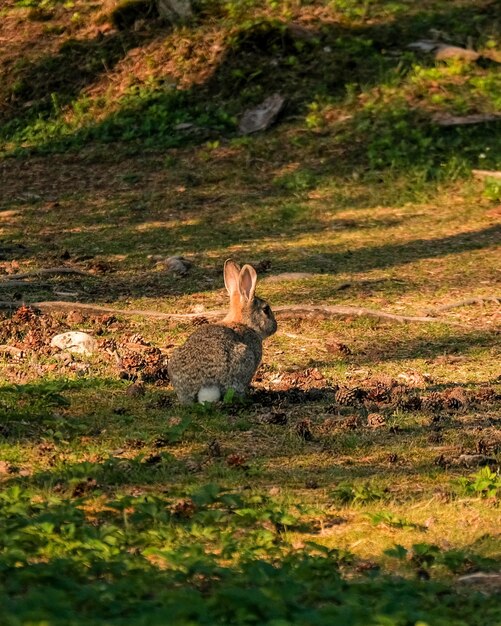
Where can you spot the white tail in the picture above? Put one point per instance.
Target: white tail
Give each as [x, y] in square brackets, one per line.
[209, 394]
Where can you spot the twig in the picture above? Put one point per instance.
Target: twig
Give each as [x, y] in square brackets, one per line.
[466, 302]
[50, 271]
[12, 350]
[326, 311]
[486, 173]
[464, 120]
[281, 312]
[22, 283]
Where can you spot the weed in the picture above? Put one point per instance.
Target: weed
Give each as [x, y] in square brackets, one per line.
[492, 189]
[484, 484]
[347, 493]
[389, 519]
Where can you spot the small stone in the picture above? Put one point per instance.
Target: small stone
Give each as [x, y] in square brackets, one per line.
[475, 460]
[74, 317]
[135, 390]
[75, 341]
[175, 10]
[336, 347]
[178, 265]
[262, 116]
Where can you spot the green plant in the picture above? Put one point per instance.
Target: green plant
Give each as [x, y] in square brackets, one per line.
[492, 189]
[389, 519]
[347, 493]
[485, 484]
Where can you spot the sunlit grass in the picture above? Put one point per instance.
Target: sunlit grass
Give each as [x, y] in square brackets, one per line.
[117, 505]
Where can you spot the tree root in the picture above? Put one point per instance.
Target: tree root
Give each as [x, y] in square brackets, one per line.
[465, 302]
[50, 271]
[281, 312]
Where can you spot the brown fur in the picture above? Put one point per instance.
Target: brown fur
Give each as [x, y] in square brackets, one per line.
[225, 355]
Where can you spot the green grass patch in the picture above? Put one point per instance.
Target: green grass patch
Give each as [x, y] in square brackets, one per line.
[119, 147]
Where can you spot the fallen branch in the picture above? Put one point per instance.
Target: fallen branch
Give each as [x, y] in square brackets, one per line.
[22, 283]
[486, 173]
[465, 302]
[281, 312]
[50, 271]
[464, 120]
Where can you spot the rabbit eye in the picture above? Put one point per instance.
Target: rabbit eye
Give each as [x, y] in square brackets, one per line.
[266, 309]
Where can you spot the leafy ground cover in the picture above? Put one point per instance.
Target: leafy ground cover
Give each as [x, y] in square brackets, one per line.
[360, 484]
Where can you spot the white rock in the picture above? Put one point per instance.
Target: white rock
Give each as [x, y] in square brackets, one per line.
[178, 265]
[262, 116]
[75, 341]
[424, 45]
[444, 51]
[174, 10]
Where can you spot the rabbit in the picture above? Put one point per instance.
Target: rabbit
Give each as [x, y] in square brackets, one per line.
[222, 356]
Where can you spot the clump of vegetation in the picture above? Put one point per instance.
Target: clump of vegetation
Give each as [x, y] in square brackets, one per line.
[359, 483]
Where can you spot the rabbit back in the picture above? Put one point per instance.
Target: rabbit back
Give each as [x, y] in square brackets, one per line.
[215, 358]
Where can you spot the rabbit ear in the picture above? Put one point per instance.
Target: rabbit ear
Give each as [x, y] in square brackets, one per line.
[248, 279]
[231, 276]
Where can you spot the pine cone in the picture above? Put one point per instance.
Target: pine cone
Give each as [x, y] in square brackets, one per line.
[152, 356]
[107, 344]
[405, 399]
[154, 374]
[375, 420]
[433, 401]
[136, 338]
[349, 395]
[383, 380]
[379, 388]
[24, 314]
[132, 361]
[456, 398]
[352, 422]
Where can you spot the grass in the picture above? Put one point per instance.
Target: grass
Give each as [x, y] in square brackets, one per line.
[120, 507]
